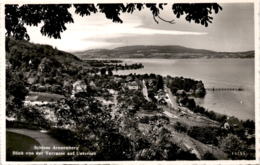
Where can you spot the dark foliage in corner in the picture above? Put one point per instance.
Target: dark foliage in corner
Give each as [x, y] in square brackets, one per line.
[55, 17]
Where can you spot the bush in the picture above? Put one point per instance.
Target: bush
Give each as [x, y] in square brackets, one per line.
[115, 147]
[180, 127]
[206, 135]
[64, 135]
[233, 146]
[18, 124]
[144, 120]
[187, 102]
[208, 156]
[186, 84]
[150, 106]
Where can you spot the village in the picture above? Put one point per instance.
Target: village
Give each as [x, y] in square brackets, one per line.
[126, 117]
[119, 95]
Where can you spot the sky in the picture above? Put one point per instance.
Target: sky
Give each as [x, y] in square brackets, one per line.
[232, 30]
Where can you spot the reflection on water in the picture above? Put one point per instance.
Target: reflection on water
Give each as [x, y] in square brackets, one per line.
[218, 73]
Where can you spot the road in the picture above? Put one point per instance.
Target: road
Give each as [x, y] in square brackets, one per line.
[145, 91]
[114, 107]
[173, 99]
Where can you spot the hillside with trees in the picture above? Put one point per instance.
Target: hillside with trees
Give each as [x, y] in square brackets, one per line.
[21, 53]
[164, 52]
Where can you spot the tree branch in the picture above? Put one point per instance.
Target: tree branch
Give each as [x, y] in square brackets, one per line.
[171, 22]
[155, 20]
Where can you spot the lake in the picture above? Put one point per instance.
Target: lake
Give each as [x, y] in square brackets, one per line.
[217, 73]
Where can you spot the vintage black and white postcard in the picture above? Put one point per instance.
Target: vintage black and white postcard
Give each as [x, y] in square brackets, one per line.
[170, 82]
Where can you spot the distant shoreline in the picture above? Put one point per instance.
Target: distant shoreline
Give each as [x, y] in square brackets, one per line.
[165, 52]
[123, 58]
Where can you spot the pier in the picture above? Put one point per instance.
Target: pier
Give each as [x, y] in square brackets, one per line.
[224, 89]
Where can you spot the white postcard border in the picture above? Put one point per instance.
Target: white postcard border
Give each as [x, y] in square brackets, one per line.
[226, 162]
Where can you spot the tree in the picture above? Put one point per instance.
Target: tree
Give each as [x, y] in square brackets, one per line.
[15, 93]
[55, 17]
[249, 124]
[160, 82]
[180, 127]
[110, 71]
[233, 146]
[206, 135]
[103, 71]
[115, 147]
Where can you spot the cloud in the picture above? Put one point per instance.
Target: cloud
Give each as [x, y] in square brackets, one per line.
[119, 30]
[99, 33]
[104, 35]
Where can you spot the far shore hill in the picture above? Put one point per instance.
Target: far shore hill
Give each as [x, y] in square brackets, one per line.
[160, 52]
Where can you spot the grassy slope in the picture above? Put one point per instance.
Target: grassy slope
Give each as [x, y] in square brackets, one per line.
[18, 142]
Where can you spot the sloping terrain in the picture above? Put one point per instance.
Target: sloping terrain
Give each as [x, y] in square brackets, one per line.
[22, 53]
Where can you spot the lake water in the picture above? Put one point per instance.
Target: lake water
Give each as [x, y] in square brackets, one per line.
[217, 73]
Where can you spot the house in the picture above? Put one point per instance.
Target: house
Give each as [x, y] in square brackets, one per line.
[30, 62]
[161, 95]
[226, 126]
[117, 79]
[234, 123]
[67, 86]
[111, 91]
[162, 101]
[161, 92]
[180, 92]
[92, 84]
[133, 85]
[131, 107]
[44, 66]
[129, 79]
[31, 80]
[151, 83]
[104, 101]
[78, 86]
[38, 87]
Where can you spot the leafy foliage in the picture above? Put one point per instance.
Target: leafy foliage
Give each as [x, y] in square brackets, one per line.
[180, 127]
[115, 147]
[15, 93]
[85, 9]
[188, 85]
[55, 17]
[209, 156]
[232, 145]
[197, 13]
[25, 56]
[207, 135]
